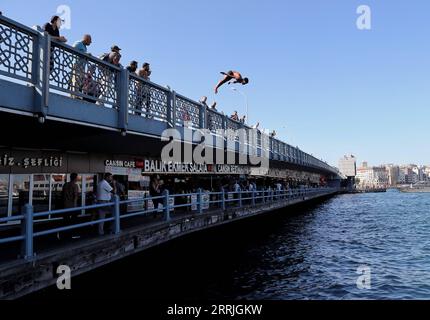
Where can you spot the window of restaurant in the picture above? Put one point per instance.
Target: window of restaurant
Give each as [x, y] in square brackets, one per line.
[4, 195]
[42, 191]
[22, 185]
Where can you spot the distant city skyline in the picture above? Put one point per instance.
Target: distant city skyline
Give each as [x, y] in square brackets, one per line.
[319, 81]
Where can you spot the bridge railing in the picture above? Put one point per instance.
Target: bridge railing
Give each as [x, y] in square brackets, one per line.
[31, 56]
[203, 201]
[149, 100]
[188, 113]
[81, 75]
[18, 50]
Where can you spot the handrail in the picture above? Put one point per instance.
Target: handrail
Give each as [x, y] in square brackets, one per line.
[224, 200]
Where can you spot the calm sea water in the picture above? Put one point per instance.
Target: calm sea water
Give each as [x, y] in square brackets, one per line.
[312, 252]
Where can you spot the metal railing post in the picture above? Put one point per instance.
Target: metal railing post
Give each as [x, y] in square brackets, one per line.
[117, 220]
[166, 205]
[200, 200]
[203, 117]
[223, 199]
[123, 88]
[240, 199]
[27, 230]
[41, 70]
[253, 197]
[171, 109]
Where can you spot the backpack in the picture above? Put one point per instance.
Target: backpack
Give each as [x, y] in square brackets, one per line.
[104, 57]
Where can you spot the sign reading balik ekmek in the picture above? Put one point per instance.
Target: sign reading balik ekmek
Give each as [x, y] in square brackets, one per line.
[8, 161]
[158, 166]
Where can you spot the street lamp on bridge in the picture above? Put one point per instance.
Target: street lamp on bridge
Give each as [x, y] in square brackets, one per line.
[246, 102]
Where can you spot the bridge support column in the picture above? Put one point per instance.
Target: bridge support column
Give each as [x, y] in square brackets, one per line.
[123, 100]
[41, 69]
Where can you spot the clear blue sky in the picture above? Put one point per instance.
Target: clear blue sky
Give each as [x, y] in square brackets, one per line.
[320, 82]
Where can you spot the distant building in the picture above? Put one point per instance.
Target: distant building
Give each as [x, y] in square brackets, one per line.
[348, 166]
[393, 172]
[372, 177]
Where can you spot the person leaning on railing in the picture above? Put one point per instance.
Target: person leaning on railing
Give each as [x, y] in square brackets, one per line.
[78, 71]
[109, 77]
[53, 29]
[143, 94]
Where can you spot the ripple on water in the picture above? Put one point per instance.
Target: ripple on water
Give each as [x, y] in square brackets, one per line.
[316, 255]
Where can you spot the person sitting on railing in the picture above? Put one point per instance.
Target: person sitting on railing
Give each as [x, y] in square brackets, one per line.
[256, 126]
[213, 106]
[143, 93]
[234, 116]
[203, 100]
[229, 76]
[78, 72]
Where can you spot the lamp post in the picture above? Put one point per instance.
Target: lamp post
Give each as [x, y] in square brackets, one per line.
[246, 102]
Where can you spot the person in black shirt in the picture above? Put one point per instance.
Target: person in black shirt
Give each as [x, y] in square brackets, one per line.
[53, 29]
[132, 67]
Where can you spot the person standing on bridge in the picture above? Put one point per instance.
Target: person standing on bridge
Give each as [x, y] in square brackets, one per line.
[143, 91]
[78, 71]
[70, 196]
[231, 77]
[104, 195]
[53, 30]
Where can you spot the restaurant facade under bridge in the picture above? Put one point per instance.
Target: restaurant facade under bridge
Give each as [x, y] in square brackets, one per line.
[37, 177]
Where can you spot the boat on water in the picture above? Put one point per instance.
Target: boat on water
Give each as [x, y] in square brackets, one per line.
[420, 187]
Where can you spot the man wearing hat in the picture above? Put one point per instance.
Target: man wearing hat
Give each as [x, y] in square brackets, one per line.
[115, 48]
